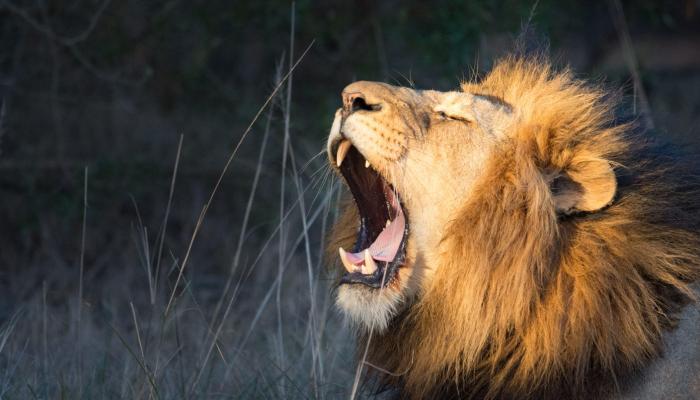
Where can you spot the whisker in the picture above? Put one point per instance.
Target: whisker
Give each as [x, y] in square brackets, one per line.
[306, 165]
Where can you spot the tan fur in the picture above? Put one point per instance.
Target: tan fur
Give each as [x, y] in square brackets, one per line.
[530, 293]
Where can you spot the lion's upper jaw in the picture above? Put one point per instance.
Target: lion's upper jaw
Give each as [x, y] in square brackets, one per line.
[529, 267]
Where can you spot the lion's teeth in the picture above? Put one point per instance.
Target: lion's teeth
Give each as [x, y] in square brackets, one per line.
[388, 222]
[343, 148]
[346, 263]
[366, 164]
[370, 266]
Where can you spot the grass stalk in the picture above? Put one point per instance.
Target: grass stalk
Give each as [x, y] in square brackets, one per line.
[79, 342]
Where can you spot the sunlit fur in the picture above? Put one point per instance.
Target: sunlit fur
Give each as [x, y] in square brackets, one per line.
[524, 301]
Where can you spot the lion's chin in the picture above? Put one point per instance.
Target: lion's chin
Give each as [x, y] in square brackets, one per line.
[369, 308]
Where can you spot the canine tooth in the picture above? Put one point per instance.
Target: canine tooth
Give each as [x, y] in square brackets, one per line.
[366, 164]
[370, 266]
[346, 263]
[343, 148]
[388, 222]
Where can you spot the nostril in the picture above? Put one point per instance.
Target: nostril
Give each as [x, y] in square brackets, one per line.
[356, 102]
[359, 103]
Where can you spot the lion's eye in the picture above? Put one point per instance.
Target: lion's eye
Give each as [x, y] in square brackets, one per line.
[443, 116]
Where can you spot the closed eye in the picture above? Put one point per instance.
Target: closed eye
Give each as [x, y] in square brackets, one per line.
[448, 117]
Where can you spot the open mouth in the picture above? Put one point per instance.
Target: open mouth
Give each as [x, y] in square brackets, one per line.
[380, 247]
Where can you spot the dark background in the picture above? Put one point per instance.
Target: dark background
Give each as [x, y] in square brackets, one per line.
[110, 88]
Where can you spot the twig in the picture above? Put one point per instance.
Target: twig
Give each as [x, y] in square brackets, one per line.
[282, 233]
[2, 123]
[48, 31]
[618, 17]
[221, 177]
[358, 372]
[385, 371]
[7, 329]
[271, 290]
[309, 268]
[248, 209]
[3, 111]
[71, 42]
[138, 335]
[532, 13]
[80, 283]
[164, 225]
[45, 337]
[143, 367]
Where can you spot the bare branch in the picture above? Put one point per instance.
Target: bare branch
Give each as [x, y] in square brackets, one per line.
[618, 16]
[48, 31]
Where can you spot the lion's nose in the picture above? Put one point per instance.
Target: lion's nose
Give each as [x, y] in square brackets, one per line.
[364, 96]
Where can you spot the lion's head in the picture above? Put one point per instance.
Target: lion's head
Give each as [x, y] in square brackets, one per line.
[410, 158]
[506, 237]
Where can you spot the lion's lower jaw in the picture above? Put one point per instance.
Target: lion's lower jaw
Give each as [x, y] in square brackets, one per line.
[369, 308]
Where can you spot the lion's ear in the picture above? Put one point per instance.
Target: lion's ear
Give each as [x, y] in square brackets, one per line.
[587, 185]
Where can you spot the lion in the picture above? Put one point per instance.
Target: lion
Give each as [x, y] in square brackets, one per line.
[515, 239]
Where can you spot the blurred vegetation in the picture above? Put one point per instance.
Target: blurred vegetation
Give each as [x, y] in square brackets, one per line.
[113, 85]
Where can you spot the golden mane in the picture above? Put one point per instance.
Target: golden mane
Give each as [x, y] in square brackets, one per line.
[527, 301]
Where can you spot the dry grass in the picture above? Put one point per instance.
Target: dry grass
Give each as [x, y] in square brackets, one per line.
[158, 327]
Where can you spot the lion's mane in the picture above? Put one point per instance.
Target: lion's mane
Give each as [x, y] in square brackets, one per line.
[528, 302]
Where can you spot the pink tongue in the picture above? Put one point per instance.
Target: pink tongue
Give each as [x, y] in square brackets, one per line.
[385, 247]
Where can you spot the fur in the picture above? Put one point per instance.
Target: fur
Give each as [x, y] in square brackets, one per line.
[528, 301]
